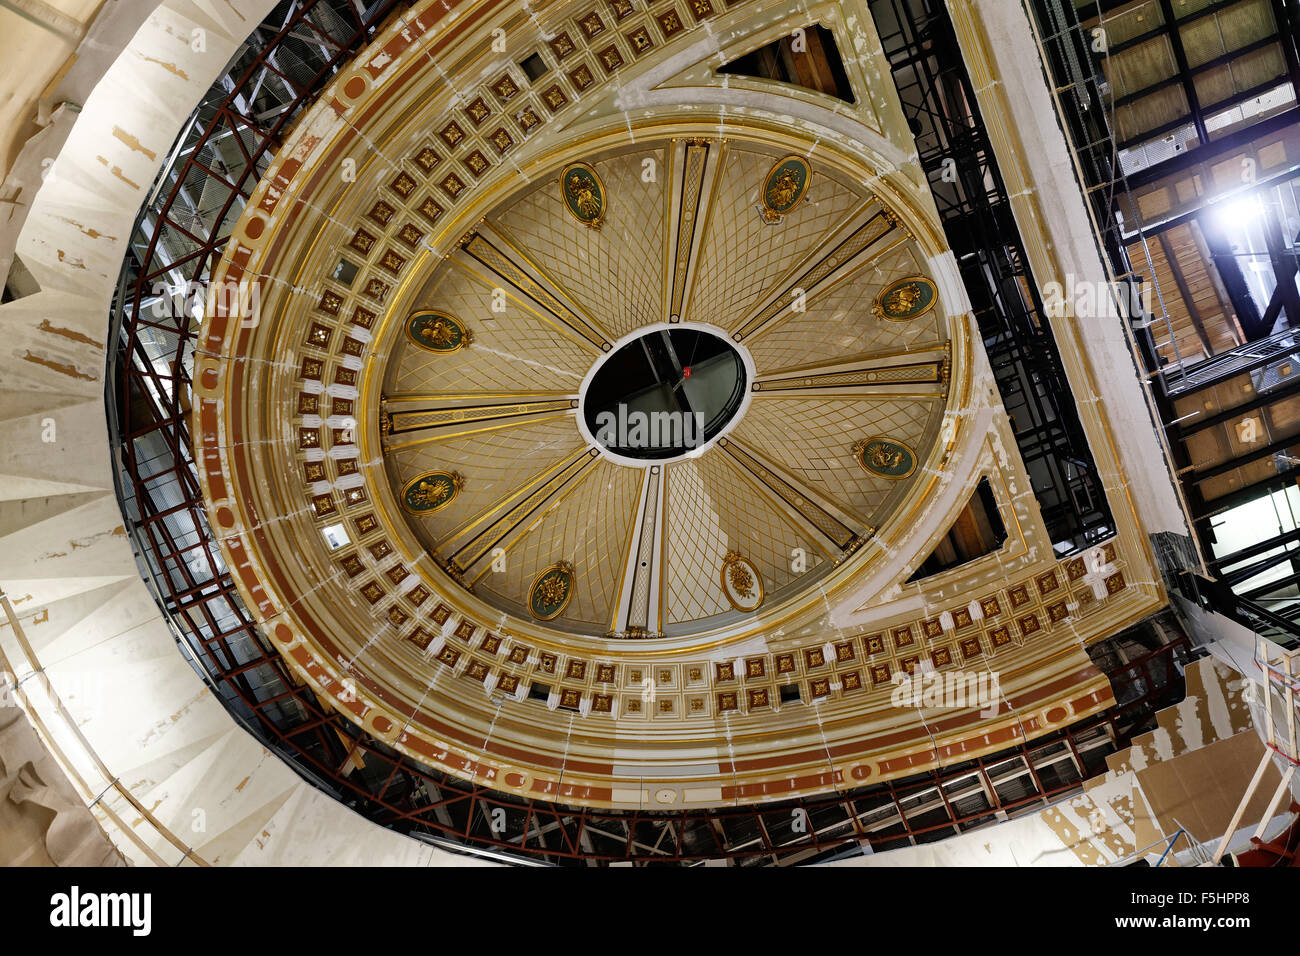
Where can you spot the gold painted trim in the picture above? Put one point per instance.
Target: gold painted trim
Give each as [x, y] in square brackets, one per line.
[593, 223]
[635, 527]
[785, 508]
[565, 567]
[734, 558]
[466, 337]
[878, 309]
[457, 483]
[516, 295]
[772, 215]
[547, 285]
[511, 500]
[861, 444]
[703, 220]
[400, 398]
[587, 467]
[751, 329]
[919, 354]
[447, 436]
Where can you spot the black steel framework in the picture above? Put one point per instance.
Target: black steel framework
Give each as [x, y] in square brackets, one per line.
[224, 147]
[1084, 112]
[939, 103]
[1071, 59]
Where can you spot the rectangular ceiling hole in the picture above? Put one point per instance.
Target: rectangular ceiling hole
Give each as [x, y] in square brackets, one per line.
[806, 58]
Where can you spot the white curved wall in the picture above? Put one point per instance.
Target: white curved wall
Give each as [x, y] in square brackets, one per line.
[65, 561]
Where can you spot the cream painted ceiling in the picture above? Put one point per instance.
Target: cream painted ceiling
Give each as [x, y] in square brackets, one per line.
[616, 275]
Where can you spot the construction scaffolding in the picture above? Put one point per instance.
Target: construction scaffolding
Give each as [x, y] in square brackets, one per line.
[179, 236]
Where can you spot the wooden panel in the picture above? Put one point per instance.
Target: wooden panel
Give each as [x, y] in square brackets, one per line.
[1202, 326]
[1140, 67]
[1242, 73]
[1237, 436]
[1214, 85]
[1151, 111]
[1144, 65]
[1133, 21]
[1246, 22]
[1258, 67]
[1229, 29]
[1185, 8]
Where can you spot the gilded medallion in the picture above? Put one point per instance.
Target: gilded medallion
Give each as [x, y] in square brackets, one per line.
[583, 194]
[885, 457]
[741, 582]
[785, 185]
[905, 299]
[437, 331]
[551, 592]
[431, 491]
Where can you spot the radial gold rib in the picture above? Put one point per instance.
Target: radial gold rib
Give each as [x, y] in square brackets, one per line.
[691, 193]
[416, 421]
[830, 522]
[870, 233]
[459, 534]
[637, 608]
[864, 377]
[511, 269]
[527, 501]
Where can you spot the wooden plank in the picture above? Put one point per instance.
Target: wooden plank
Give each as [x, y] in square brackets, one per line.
[1189, 302]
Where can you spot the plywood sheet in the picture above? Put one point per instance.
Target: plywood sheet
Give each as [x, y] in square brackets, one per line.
[1200, 790]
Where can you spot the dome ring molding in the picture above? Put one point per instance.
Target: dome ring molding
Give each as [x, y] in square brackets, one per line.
[210, 377]
[737, 415]
[244, 536]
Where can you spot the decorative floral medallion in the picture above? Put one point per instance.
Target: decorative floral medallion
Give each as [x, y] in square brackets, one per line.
[885, 457]
[432, 491]
[551, 592]
[785, 185]
[437, 332]
[905, 299]
[583, 194]
[741, 582]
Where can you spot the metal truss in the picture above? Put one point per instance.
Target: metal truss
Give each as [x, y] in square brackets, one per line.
[939, 102]
[1071, 59]
[179, 235]
[1084, 111]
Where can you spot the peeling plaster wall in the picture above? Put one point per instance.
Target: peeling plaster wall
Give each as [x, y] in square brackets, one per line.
[65, 560]
[32, 133]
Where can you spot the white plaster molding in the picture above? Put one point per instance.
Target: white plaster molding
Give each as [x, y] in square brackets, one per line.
[64, 557]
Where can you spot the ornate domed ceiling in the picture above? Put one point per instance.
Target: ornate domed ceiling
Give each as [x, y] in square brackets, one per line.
[491, 456]
[463, 257]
